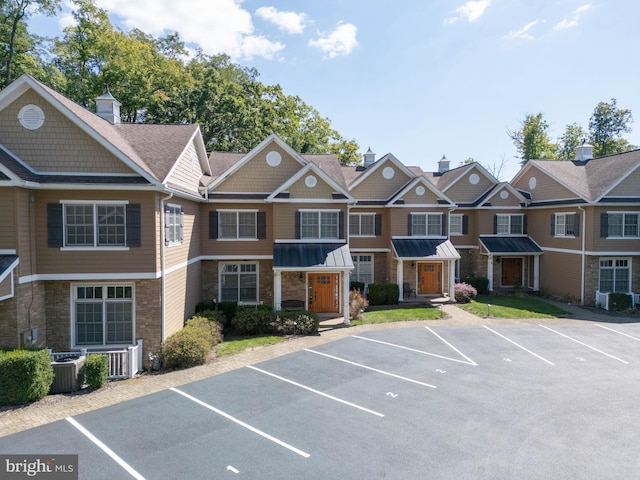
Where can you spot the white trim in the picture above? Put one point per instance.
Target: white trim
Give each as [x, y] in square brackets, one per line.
[235, 257]
[369, 250]
[181, 265]
[8, 251]
[310, 167]
[468, 247]
[456, 234]
[623, 213]
[618, 182]
[562, 250]
[372, 168]
[533, 164]
[363, 214]
[555, 224]
[475, 165]
[87, 277]
[357, 268]
[505, 186]
[94, 249]
[237, 211]
[425, 183]
[240, 262]
[614, 268]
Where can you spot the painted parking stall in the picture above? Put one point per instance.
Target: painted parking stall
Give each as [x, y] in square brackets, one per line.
[448, 402]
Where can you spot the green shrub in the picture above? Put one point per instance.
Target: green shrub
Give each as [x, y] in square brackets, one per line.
[252, 321]
[300, 322]
[356, 286]
[227, 309]
[210, 329]
[481, 284]
[383, 293]
[205, 305]
[620, 302]
[96, 370]
[184, 349]
[212, 316]
[25, 376]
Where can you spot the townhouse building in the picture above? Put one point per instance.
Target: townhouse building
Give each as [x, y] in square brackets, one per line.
[112, 232]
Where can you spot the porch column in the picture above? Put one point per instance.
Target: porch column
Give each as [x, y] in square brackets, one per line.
[400, 274]
[536, 273]
[490, 272]
[277, 290]
[452, 280]
[345, 298]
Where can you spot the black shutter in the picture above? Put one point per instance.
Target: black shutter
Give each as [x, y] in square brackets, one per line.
[465, 224]
[298, 225]
[261, 224]
[213, 224]
[410, 225]
[495, 224]
[444, 226]
[524, 224]
[341, 224]
[552, 225]
[378, 225]
[604, 225]
[576, 224]
[54, 225]
[133, 225]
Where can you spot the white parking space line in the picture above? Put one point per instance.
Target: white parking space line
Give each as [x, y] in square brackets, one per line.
[518, 345]
[105, 449]
[316, 391]
[619, 333]
[585, 345]
[409, 349]
[370, 368]
[241, 423]
[469, 361]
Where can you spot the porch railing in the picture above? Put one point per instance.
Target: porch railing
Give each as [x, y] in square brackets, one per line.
[602, 300]
[124, 363]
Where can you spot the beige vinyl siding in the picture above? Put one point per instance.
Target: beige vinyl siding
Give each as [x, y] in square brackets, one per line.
[539, 227]
[546, 188]
[187, 171]
[258, 176]
[484, 221]
[472, 236]
[560, 273]
[464, 191]
[381, 241]
[629, 187]
[25, 226]
[57, 146]
[321, 190]
[8, 215]
[190, 247]
[399, 218]
[182, 294]
[376, 187]
[144, 259]
[601, 244]
[284, 217]
[511, 200]
[428, 198]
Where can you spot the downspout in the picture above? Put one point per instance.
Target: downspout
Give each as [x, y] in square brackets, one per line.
[163, 301]
[583, 253]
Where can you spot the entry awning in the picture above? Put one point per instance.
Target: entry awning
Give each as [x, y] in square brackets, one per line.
[7, 264]
[506, 245]
[424, 248]
[306, 255]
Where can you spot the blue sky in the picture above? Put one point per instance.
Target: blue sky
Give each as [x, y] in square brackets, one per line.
[419, 78]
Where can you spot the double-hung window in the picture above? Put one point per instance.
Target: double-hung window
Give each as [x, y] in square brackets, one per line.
[94, 225]
[103, 314]
[565, 225]
[623, 224]
[319, 224]
[455, 224]
[237, 224]
[363, 269]
[239, 282]
[426, 224]
[509, 224]
[362, 225]
[614, 275]
[173, 224]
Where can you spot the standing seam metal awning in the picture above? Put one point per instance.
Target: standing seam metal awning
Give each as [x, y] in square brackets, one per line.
[306, 255]
[424, 248]
[509, 245]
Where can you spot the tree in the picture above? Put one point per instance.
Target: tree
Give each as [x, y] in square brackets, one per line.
[606, 126]
[573, 136]
[532, 140]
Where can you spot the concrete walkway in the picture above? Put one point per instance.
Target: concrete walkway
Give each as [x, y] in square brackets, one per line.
[57, 407]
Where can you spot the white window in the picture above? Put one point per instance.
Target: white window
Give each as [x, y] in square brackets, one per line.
[362, 225]
[509, 224]
[615, 275]
[363, 271]
[103, 314]
[455, 224]
[237, 224]
[173, 224]
[239, 282]
[426, 224]
[565, 225]
[319, 223]
[623, 225]
[94, 225]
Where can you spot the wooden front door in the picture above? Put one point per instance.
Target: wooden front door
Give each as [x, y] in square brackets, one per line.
[324, 292]
[512, 272]
[429, 278]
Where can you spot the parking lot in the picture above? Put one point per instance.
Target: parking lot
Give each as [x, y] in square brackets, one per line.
[500, 401]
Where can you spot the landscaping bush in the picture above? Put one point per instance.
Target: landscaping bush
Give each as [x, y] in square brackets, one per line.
[356, 286]
[191, 345]
[300, 322]
[96, 370]
[383, 293]
[210, 328]
[252, 321]
[620, 302]
[357, 304]
[481, 284]
[464, 292]
[25, 376]
[227, 308]
[205, 305]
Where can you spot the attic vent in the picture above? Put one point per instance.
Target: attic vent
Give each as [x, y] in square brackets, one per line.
[273, 158]
[31, 117]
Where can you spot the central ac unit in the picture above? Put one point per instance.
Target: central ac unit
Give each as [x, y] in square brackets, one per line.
[66, 374]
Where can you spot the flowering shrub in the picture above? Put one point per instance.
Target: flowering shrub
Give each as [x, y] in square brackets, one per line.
[464, 293]
[357, 304]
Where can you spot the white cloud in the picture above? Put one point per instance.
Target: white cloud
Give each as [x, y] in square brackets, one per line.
[523, 32]
[290, 22]
[472, 11]
[217, 26]
[339, 42]
[572, 22]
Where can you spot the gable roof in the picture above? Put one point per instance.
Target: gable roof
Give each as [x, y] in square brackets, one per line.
[499, 188]
[419, 181]
[311, 167]
[377, 165]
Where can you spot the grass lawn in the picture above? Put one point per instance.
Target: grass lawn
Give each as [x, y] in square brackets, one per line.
[232, 347]
[511, 307]
[393, 313]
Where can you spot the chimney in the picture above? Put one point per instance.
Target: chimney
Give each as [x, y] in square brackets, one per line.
[108, 107]
[443, 164]
[584, 152]
[369, 158]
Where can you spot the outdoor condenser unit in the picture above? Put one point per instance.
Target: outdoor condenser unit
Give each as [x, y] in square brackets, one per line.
[66, 374]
